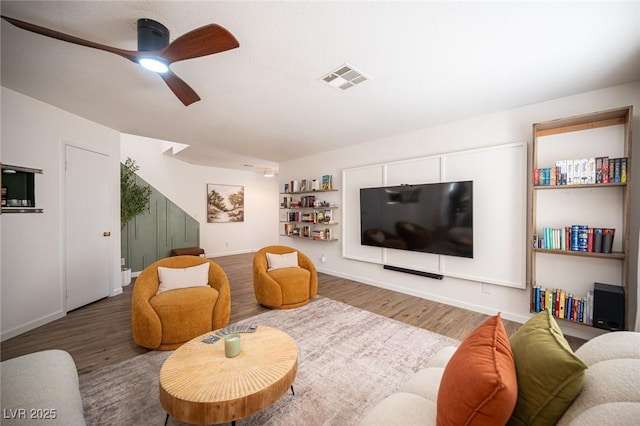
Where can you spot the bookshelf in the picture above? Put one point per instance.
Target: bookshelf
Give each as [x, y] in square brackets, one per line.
[574, 198]
[305, 214]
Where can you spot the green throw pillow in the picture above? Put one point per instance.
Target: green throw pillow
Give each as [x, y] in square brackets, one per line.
[549, 374]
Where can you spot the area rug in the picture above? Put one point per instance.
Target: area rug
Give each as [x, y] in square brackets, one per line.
[349, 359]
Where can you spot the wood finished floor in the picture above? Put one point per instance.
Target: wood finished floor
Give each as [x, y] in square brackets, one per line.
[99, 334]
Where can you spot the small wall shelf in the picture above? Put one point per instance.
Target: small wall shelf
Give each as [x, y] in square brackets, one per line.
[309, 238]
[302, 215]
[614, 255]
[309, 192]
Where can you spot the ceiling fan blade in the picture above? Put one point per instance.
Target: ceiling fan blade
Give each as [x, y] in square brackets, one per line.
[128, 54]
[182, 90]
[202, 41]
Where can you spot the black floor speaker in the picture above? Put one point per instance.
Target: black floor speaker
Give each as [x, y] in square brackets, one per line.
[608, 307]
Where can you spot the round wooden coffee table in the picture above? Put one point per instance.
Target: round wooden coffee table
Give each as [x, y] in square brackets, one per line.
[198, 384]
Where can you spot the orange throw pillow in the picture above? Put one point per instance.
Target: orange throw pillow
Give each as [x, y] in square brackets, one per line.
[479, 385]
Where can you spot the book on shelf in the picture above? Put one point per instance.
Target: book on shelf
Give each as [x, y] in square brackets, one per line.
[327, 182]
[579, 238]
[583, 238]
[605, 170]
[612, 170]
[308, 201]
[553, 177]
[569, 307]
[563, 304]
[291, 187]
[288, 228]
[583, 171]
[607, 239]
[561, 172]
[308, 185]
[591, 170]
[294, 216]
[286, 202]
[597, 240]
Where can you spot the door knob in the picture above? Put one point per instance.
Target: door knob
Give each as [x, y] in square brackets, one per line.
[106, 234]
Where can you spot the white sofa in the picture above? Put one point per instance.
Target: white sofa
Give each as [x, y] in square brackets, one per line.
[41, 388]
[610, 394]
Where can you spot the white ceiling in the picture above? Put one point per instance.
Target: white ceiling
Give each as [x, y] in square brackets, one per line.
[263, 103]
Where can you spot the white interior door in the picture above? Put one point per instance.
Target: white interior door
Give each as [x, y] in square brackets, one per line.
[87, 226]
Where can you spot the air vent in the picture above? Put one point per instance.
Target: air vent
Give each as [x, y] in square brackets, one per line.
[344, 77]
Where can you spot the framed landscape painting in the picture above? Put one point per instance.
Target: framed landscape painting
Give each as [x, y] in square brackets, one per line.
[225, 203]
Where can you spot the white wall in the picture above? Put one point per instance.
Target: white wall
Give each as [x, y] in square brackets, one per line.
[500, 128]
[32, 276]
[34, 133]
[185, 184]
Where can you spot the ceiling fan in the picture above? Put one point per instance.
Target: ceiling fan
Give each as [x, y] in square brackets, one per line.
[154, 50]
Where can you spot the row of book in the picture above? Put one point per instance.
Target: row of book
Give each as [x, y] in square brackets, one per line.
[306, 201]
[321, 234]
[583, 171]
[576, 238]
[305, 185]
[317, 234]
[563, 305]
[309, 201]
[316, 216]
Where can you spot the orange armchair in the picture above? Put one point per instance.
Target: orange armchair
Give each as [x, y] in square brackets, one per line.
[166, 320]
[284, 288]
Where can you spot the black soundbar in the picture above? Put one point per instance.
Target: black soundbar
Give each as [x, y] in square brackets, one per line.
[414, 272]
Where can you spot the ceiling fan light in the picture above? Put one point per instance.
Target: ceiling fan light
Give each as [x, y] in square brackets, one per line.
[154, 65]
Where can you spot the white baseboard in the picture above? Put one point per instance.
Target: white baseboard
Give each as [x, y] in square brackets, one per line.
[576, 330]
[229, 253]
[8, 334]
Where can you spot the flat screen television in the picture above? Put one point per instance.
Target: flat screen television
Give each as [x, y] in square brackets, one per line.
[431, 218]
